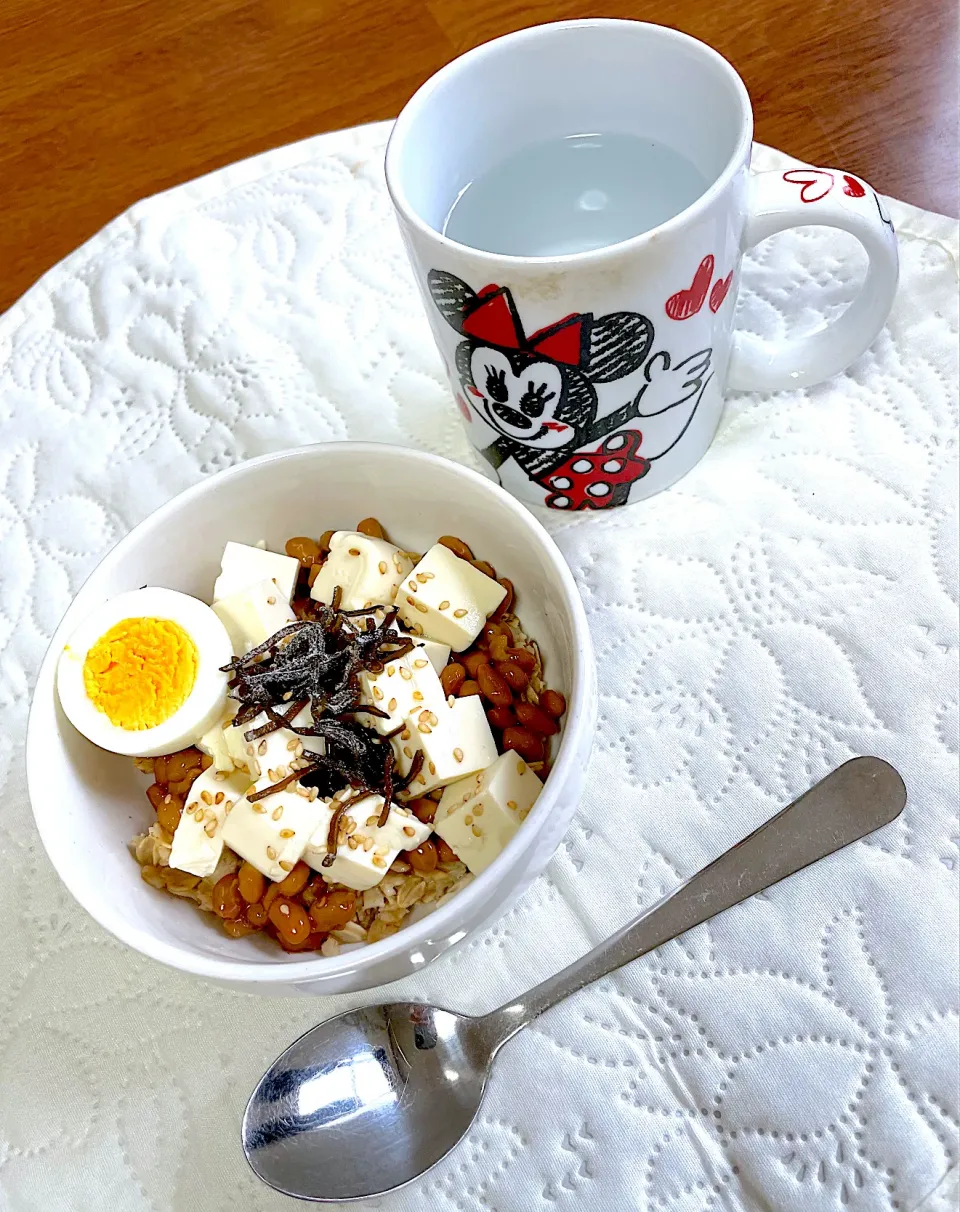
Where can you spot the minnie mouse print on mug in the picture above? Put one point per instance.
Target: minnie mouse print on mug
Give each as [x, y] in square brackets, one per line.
[576, 200]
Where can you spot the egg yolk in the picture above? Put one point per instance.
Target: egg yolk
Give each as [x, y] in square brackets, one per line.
[140, 672]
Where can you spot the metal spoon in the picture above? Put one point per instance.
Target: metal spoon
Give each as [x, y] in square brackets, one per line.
[369, 1100]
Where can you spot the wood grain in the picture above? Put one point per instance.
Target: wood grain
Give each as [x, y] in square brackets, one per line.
[105, 102]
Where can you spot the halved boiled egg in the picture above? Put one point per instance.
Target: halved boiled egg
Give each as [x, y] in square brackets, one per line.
[142, 674]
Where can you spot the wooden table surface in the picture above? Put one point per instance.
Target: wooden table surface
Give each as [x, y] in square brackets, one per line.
[103, 102]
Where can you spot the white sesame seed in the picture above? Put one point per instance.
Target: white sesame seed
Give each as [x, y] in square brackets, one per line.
[477, 831]
[407, 751]
[277, 813]
[433, 768]
[512, 804]
[382, 566]
[417, 696]
[460, 613]
[392, 705]
[420, 664]
[405, 673]
[420, 606]
[444, 605]
[458, 755]
[378, 862]
[409, 832]
[191, 809]
[206, 797]
[262, 748]
[271, 853]
[468, 820]
[478, 810]
[271, 601]
[258, 807]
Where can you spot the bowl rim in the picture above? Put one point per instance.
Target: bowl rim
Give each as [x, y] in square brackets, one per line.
[442, 919]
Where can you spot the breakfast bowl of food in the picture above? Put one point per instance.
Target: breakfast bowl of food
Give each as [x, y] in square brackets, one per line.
[315, 720]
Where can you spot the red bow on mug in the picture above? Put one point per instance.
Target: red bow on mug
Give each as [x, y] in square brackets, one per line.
[495, 321]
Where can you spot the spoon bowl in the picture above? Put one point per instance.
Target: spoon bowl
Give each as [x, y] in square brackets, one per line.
[399, 1083]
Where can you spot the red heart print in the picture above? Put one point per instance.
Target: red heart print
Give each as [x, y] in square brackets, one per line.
[852, 187]
[686, 303]
[719, 291]
[816, 182]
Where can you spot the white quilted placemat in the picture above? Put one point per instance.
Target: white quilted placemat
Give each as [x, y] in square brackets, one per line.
[791, 603]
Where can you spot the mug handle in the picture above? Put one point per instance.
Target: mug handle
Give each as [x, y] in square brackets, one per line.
[828, 197]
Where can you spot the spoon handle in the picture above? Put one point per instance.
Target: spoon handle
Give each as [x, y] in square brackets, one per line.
[858, 797]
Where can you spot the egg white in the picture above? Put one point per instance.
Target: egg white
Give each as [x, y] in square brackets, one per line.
[203, 706]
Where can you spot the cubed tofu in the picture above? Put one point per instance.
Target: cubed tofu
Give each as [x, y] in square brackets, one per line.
[253, 614]
[455, 794]
[447, 600]
[436, 654]
[276, 749]
[478, 829]
[369, 571]
[364, 855]
[455, 740]
[273, 833]
[214, 742]
[198, 839]
[243, 566]
[509, 775]
[407, 685]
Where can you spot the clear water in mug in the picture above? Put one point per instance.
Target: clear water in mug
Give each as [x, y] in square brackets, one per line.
[573, 194]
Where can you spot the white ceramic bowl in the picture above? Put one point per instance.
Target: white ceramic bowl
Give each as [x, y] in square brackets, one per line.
[88, 803]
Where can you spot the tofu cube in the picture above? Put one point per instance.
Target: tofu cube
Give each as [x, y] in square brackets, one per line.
[447, 600]
[369, 571]
[407, 685]
[456, 741]
[509, 775]
[271, 752]
[478, 829]
[253, 614]
[198, 839]
[436, 654]
[214, 742]
[364, 854]
[243, 566]
[273, 833]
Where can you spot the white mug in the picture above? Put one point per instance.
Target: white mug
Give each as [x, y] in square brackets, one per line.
[594, 379]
